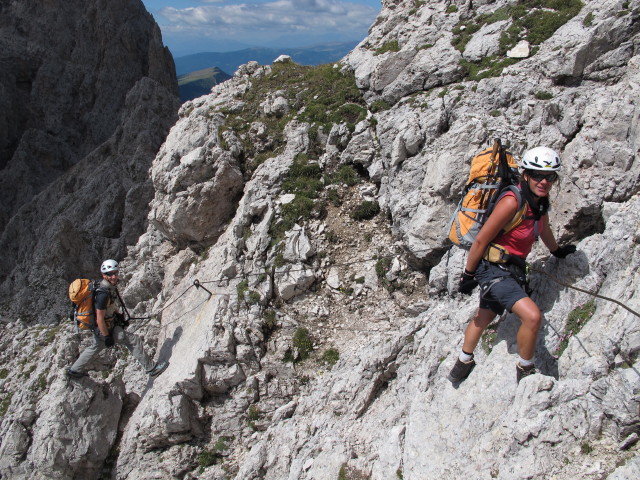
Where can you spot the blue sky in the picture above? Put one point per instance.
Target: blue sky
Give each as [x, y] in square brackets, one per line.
[192, 26]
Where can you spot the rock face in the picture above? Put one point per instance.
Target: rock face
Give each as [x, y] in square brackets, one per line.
[88, 94]
[305, 293]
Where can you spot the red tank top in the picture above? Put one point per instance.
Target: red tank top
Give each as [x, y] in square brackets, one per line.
[519, 241]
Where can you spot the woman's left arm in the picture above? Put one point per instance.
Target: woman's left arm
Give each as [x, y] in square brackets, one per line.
[547, 235]
[550, 241]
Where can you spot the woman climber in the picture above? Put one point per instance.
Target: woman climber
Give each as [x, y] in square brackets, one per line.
[496, 261]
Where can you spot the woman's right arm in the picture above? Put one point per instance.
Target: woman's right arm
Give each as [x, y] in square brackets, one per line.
[502, 214]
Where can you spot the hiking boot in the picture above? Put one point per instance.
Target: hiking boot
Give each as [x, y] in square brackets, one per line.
[73, 374]
[522, 372]
[461, 370]
[157, 369]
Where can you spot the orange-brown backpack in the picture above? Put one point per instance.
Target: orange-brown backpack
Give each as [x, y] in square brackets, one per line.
[493, 172]
[82, 293]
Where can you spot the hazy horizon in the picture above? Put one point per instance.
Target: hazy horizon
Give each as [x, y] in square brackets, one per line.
[190, 27]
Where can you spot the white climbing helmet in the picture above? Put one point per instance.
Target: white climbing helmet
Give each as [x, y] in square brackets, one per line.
[109, 266]
[541, 158]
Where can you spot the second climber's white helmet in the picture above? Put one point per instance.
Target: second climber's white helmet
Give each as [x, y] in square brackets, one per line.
[541, 158]
[109, 266]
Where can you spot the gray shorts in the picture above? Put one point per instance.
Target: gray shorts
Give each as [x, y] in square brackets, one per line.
[501, 286]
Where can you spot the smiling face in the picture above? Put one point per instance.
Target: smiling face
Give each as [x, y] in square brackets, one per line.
[540, 183]
[111, 277]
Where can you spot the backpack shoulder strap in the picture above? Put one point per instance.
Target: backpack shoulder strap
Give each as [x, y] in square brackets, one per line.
[97, 287]
[516, 192]
[522, 207]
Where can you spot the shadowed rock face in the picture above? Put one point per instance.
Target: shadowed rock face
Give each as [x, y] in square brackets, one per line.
[88, 94]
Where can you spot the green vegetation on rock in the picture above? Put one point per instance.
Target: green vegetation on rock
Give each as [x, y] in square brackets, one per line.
[533, 20]
[330, 356]
[302, 343]
[321, 95]
[577, 319]
[366, 210]
[391, 46]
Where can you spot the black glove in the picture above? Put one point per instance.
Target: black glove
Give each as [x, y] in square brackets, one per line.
[109, 341]
[121, 321]
[562, 252]
[467, 282]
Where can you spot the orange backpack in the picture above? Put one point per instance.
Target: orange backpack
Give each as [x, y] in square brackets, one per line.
[493, 172]
[81, 293]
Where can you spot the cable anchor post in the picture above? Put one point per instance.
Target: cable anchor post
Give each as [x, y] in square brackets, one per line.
[197, 284]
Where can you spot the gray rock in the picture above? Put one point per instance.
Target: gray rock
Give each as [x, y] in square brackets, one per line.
[485, 42]
[384, 409]
[521, 50]
[298, 247]
[293, 280]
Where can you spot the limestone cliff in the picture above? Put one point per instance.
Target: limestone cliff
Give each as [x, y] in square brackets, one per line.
[296, 273]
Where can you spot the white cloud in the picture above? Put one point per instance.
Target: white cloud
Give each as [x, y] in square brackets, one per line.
[251, 22]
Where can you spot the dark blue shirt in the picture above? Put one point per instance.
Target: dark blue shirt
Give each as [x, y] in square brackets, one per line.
[102, 299]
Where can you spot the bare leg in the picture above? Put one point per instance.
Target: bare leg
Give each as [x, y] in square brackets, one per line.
[531, 319]
[479, 322]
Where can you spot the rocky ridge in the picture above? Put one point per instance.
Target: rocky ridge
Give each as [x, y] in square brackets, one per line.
[266, 212]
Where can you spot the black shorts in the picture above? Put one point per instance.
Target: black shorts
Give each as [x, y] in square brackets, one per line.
[501, 286]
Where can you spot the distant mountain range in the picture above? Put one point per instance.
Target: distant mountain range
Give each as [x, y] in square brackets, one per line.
[198, 83]
[230, 61]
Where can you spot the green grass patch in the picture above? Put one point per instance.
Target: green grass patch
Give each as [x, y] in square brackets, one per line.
[331, 236]
[27, 373]
[542, 95]
[366, 210]
[344, 175]
[245, 294]
[321, 95]
[342, 473]
[303, 178]
[330, 356]
[299, 209]
[577, 319]
[4, 373]
[206, 458]
[533, 20]
[351, 473]
[303, 343]
[270, 320]
[382, 267]
[333, 197]
[542, 24]
[379, 106]
[50, 335]
[488, 67]
[5, 403]
[391, 46]
[254, 413]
